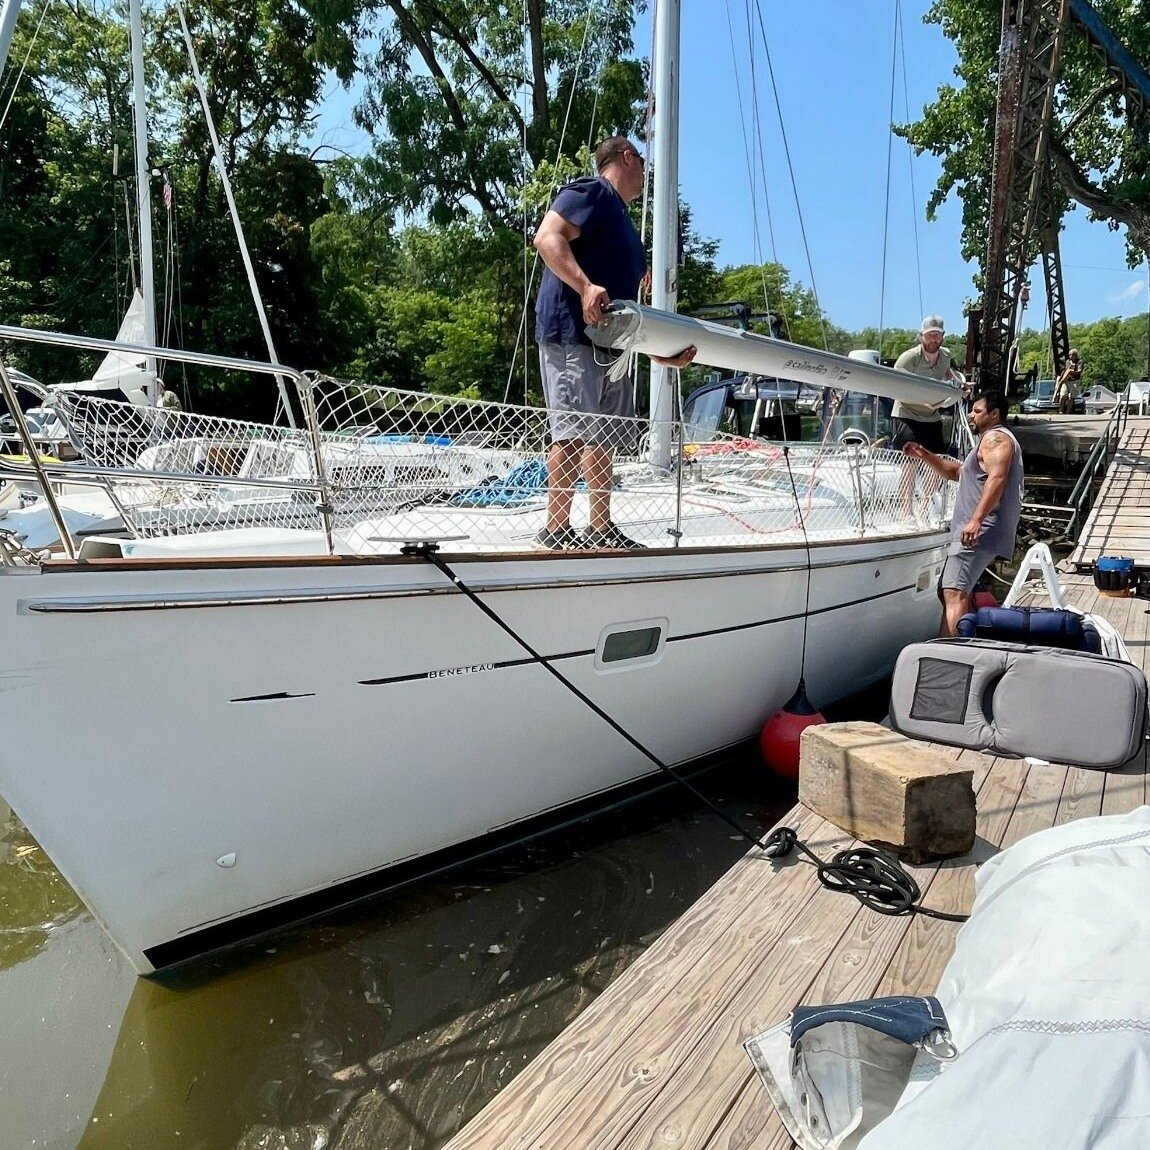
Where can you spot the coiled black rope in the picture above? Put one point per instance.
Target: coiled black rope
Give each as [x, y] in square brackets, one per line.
[875, 877]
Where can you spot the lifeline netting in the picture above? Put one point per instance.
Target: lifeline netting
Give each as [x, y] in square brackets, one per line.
[396, 466]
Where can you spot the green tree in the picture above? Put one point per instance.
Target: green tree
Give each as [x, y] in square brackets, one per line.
[1034, 351]
[446, 314]
[62, 208]
[1109, 355]
[768, 287]
[1099, 149]
[443, 93]
[64, 222]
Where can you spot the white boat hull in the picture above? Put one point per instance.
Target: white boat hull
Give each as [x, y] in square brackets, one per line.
[243, 734]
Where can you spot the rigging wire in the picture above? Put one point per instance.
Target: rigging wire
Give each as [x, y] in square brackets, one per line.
[647, 211]
[886, 189]
[802, 521]
[229, 195]
[760, 157]
[131, 233]
[114, 212]
[169, 255]
[910, 155]
[525, 161]
[752, 186]
[648, 119]
[173, 330]
[791, 169]
[174, 305]
[23, 66]
[521, 335]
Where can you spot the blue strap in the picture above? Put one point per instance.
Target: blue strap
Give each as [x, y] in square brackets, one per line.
[909, 1018]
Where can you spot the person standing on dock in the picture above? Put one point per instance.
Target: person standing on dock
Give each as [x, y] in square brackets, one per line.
[987, 505]
[593, 254]
[922, 422]
[1066, 389]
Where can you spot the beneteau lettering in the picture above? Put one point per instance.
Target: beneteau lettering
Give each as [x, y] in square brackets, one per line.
[472, 670]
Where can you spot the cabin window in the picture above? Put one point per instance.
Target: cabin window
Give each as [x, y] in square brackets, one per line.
[627, 645]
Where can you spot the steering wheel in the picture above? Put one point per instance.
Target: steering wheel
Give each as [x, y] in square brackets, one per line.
[853, 437]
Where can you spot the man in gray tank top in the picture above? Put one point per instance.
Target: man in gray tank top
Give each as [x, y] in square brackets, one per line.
[986, 506]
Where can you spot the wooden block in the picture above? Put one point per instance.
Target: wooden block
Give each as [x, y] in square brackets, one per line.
[887, 789]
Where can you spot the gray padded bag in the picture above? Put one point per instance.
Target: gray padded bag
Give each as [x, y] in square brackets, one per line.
[1008, 699]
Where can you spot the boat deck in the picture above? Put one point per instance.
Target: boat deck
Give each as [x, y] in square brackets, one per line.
[1119, 523]
[657, 1061]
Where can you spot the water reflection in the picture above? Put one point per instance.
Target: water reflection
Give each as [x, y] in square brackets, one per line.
[386, 1026]
[34, 899]
[63, 989]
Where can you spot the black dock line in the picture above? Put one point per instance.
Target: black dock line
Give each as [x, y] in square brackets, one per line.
[429, 551]
[875, 877]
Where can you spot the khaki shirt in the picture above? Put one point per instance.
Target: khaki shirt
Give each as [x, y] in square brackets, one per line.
[914, 361]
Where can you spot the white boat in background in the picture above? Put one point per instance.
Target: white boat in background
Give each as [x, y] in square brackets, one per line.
[323, 659]
[120, 375]
[1136, 396]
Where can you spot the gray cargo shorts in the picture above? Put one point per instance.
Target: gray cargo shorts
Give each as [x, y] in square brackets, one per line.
[964, 567]
[578, 393]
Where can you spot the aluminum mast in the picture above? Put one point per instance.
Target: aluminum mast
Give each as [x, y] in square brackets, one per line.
[665, 223]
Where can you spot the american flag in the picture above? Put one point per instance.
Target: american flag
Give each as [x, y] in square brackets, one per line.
[167, 194]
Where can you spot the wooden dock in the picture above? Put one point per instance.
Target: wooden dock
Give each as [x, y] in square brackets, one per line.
[657, 1061]
[1119, 523]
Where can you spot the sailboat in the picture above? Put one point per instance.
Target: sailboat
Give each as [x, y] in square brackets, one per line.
[215, 730]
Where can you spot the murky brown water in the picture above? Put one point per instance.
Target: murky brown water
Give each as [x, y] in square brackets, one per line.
[384, 1027]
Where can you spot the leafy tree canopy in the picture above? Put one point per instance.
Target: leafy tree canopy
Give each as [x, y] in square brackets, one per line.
[1099, 149]
[768, 287]
[445, 93]
[1113, 351]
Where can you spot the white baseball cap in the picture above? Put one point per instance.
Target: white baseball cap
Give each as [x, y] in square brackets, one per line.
[932, 323]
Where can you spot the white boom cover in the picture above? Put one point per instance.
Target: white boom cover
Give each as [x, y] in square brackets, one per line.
[1048, 999]
[635, 327]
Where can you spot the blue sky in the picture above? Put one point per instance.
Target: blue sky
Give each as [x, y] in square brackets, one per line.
[832, 68]
[832, 61]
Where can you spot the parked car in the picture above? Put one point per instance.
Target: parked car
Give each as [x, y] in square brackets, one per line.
[1040, 401]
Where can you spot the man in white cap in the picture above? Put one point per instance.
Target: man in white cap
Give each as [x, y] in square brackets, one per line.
[921, 423]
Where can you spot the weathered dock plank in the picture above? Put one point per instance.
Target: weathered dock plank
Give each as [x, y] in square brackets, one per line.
[657, 1061]
[687, 969]
[851, 970]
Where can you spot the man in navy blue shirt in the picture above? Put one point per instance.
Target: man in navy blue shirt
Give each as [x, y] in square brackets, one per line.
[592, 254]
